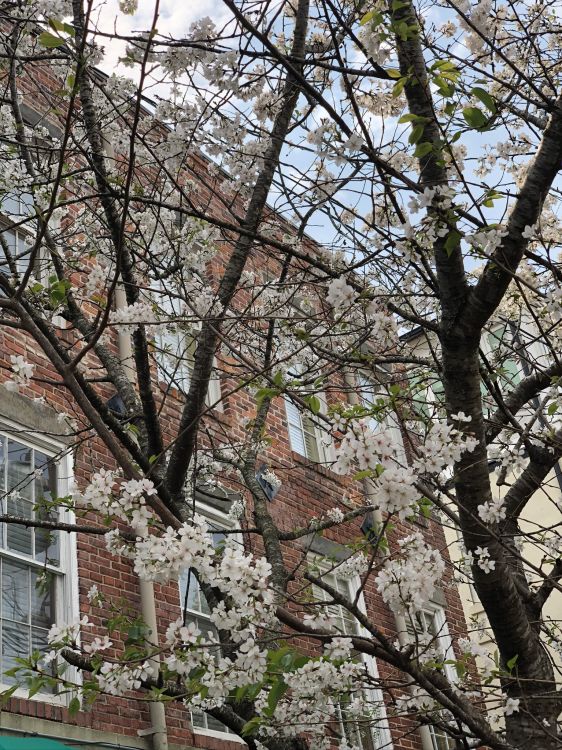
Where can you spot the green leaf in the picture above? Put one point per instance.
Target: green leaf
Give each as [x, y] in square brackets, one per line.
[453, 239]
[46, 39]
[408, 118]
[278, 689]
[402, 30]
[446, 88]
[489, 198]
[512, 662]
[57, 25]
[278, 379]
[314, 404]
[422, 149]
[367, 17]
[444, 65]
[552, 408]
[362, 474]
[5, 695]
[416, 134]
[250, 727]
[474, 117]
[485, 98]
[58, 290]
[35, 685]
[74, 706]
[393, 73]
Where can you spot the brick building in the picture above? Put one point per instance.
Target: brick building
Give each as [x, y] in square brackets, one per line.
[42, 455]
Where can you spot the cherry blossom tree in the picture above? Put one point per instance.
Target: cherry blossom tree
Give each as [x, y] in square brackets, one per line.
[348, 206]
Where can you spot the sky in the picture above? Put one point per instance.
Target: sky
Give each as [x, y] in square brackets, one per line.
[175, 18]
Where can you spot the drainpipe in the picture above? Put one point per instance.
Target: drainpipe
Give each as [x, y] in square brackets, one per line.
[157, 730]
[367, 485]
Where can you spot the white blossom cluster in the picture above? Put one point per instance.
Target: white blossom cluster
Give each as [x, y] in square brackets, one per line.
[443, 446]
[363, 448]
[21, 374]
[125, 501]
[493, 511]
[484, 560]
[132, 316]
[407, 581]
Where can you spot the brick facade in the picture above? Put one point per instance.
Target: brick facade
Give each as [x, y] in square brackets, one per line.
[308, 490]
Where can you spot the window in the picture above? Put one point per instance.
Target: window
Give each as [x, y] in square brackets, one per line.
[374, 732]
[175, 353]
[373, 397]
[306, 436]
[507, 368]
[16, 232]
[195, 609]
[35, 592]
[175, 345]
[430, 625]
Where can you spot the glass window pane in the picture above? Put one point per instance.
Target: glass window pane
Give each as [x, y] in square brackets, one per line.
[46, 541]
[20, 476]
[15, 644]
[198, 719]
[15, 591]
[18, 537]
[45, 477]
[42, 599]
[39, 643]
[192, 600]
[2, 463]
[47, 545]
[215, 724]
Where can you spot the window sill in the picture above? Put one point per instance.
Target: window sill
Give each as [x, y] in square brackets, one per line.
[22, 694]
[224, 736]
[309, 464]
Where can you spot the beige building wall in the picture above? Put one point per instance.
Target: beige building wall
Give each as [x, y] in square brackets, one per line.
[543, 512]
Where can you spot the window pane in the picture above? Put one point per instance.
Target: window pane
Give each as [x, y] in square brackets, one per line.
[198, 719]
[45, 477]
[310, 438]
[15, 591]
[47, 545]
[18, 537]
[215, 724]
[42, 599]
[46, 541]
[440, 740]
[294, 425]
[20, 477]
[39, 643]
[2, 463]
[191, 601]
[15, 643]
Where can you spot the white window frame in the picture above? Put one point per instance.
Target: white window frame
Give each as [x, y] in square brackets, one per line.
[181, 377]
[67, 602]
[384, 742]
[444, 643]
[498, 332]
[17, 224]
[222, 520]
[390, 422]
[300, 424]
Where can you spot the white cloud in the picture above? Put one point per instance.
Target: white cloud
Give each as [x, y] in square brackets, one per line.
[175, 18]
